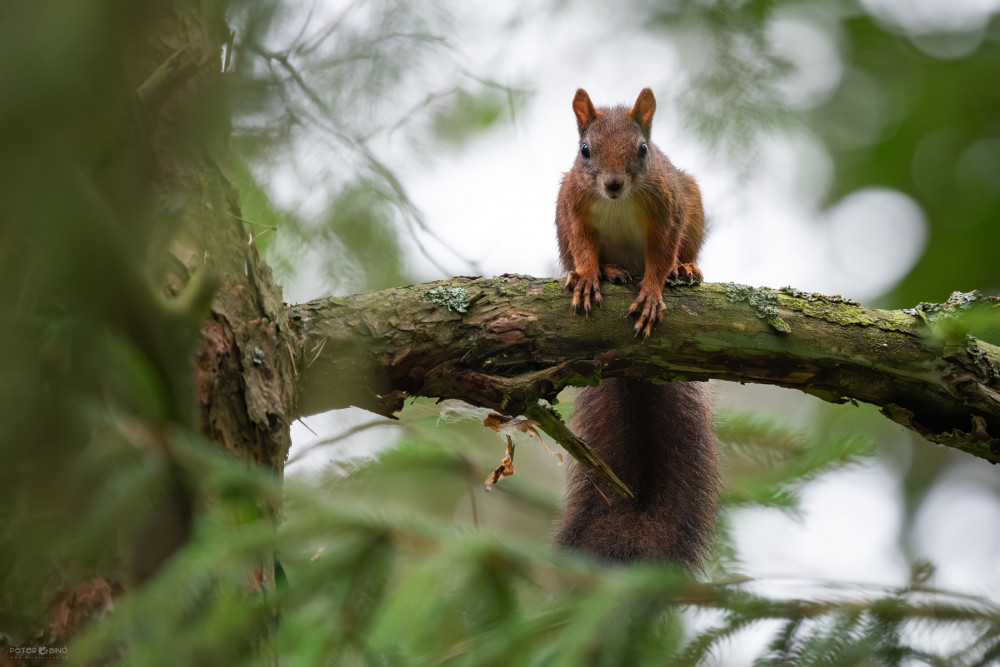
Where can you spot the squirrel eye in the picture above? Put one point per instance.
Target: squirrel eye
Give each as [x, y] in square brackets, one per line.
[585, 151]
[643, 150]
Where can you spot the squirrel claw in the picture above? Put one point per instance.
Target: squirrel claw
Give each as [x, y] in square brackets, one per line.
[615, 273]
[686, 273]
[649, 308]
[583, 288]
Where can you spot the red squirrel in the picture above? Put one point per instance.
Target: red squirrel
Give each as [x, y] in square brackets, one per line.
[623, 211]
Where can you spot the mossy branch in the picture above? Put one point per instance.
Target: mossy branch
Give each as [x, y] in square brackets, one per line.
[516, 341]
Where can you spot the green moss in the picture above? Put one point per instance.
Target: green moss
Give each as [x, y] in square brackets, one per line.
[845, 314]
[839, 310]
[554, 287]
[763, 301]
[512, 284]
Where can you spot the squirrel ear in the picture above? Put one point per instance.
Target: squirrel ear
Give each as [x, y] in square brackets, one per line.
[642, 112]
[584, 110]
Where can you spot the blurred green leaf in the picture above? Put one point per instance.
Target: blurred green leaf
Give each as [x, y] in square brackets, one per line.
[766, 463]
[466, 113]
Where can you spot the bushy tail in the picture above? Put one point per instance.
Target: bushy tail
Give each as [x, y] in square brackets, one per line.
[657, 440]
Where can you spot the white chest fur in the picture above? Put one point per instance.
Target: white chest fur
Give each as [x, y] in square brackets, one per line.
[622, 240]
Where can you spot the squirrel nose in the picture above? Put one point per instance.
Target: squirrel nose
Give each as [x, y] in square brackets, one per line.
[613, 184]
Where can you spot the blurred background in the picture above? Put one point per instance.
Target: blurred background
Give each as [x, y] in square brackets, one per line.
[848, 147]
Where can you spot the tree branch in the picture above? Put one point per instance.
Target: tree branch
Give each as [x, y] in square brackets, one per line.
[517, 342]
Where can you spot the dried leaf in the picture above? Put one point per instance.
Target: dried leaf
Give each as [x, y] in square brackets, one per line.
[498, 422]
[506, 467]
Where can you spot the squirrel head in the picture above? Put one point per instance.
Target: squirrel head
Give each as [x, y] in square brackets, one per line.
[614, 144]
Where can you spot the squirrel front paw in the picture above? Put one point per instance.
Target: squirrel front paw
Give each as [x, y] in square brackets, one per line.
[649, 310]
[584, 288]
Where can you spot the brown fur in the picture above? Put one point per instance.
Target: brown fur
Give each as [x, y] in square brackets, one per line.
[622, 214]
[657, 440]
[664, 200]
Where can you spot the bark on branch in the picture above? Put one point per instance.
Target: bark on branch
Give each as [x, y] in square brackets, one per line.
[517, 342]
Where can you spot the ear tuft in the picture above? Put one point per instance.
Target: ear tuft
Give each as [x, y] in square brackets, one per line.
[584, 110]
[642, 112]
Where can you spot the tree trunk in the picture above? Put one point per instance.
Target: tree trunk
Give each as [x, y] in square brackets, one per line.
[129, 126]
[243, 376]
